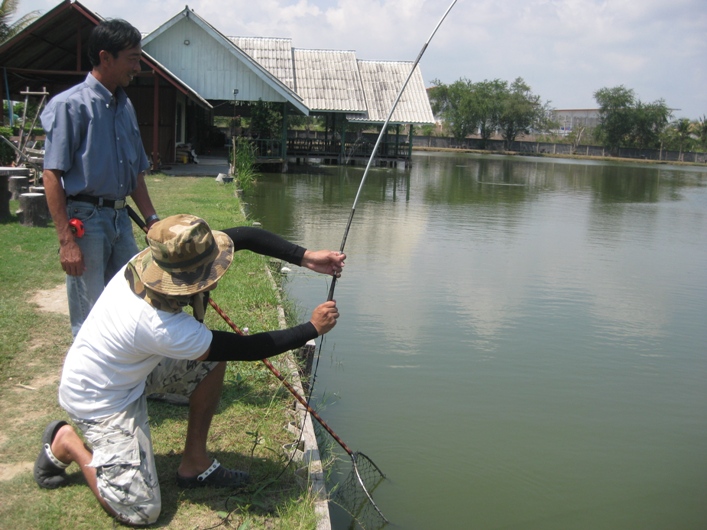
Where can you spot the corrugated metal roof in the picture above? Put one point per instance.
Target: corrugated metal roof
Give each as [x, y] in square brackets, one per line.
[335, 81]
[273, 54]
[329, 80]
[381, 83]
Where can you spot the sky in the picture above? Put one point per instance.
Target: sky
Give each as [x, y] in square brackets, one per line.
[565, 50]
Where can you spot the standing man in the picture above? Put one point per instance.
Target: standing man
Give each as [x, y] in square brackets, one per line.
[94, 159]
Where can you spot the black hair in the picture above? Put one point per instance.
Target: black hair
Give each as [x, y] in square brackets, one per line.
[113, 36]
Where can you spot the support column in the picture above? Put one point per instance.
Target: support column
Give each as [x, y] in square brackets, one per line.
[397, 141]
[156, 162]
[343, 140]
[283, 147]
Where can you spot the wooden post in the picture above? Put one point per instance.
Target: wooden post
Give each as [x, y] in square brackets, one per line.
[343, 141]
[283, 138]
[306, 357]
[5, 195]
[6, 187]
[33, 210]
[18, 184]
[156, 121]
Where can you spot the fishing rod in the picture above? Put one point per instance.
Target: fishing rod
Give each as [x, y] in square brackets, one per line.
[370, 472]
[380, 137]
[368, 476]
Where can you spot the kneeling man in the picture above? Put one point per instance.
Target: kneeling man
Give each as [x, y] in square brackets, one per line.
[137, 340]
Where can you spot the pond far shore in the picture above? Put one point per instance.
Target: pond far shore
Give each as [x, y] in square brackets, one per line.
[551, 155]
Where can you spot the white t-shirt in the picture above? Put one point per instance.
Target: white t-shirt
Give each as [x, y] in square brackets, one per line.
[123, 339]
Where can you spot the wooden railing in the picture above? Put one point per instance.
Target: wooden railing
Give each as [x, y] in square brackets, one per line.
[352, 149]
[267, 148]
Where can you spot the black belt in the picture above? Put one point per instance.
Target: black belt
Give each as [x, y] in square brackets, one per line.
[116, 204]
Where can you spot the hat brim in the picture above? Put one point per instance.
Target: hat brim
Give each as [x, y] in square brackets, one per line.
[202, 278]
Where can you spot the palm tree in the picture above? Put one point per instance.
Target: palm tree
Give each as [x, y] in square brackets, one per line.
[682, 133]
[701, 131]
[8, 29]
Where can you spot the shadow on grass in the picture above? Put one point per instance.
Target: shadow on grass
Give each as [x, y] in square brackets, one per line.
[10, 219]
[204, 507]
[266, 494]
[243, 392]
[235, 442]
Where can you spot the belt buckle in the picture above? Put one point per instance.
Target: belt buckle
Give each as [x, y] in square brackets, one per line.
[119, 204]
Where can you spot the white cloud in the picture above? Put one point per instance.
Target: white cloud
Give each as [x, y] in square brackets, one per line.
[565, 49]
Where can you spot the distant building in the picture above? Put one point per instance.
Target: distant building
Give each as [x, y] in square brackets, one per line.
[570, 119]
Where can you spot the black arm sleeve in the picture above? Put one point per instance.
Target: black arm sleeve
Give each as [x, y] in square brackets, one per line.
[226, 346]
[263, 242]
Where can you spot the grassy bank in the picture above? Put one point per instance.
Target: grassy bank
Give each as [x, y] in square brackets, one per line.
[247, 432]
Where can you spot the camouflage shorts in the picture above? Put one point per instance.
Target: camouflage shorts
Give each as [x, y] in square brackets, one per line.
[122, 445]
[173, 376]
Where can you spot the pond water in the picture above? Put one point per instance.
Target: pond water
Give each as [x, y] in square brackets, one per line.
[522, 341]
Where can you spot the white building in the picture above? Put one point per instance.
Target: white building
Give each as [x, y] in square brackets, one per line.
[570, 119]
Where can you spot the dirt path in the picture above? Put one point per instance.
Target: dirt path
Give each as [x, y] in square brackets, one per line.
[24, 405]
[53, 300]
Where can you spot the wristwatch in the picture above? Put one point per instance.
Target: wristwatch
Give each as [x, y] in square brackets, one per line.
[154, 217]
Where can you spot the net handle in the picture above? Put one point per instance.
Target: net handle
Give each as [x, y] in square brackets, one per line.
[288, 386]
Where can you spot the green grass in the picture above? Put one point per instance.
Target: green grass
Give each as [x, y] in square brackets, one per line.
[247, 431]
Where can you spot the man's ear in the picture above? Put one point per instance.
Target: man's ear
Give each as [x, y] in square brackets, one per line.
[105, 56]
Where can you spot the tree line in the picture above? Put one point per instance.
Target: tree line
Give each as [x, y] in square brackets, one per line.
[512, 110]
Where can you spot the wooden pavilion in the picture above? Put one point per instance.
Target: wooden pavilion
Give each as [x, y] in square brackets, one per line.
[51, 55]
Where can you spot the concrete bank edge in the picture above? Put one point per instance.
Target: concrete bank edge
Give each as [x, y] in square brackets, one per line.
[311, 457]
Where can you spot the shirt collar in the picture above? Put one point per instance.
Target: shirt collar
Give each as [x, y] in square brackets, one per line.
[103, 92]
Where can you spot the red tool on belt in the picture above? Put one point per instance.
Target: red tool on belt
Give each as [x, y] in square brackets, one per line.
[76, 227]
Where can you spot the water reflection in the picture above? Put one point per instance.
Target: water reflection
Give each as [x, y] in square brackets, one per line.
[531, 329]
[596, 222]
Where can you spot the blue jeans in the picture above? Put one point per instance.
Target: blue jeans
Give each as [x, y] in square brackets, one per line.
[107, 245]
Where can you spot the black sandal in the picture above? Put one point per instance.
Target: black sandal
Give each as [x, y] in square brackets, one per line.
[216, 476]
[48, 469]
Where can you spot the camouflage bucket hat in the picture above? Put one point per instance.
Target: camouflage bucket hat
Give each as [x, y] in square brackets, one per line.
[184, 256]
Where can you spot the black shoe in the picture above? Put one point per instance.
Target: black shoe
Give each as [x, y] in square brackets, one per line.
[48, 470]
[216, 476]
